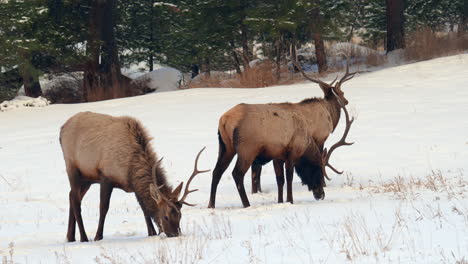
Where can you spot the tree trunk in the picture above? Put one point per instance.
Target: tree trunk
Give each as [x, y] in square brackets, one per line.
[317, 30]
[151, 25]
[320, 52]
[245, 47]
[294, 53]
[235, 57]
[463, 26]
[278, 58]
[102, 78]
[395, 25]
[195, 70]
[32, 87]
[206, 66]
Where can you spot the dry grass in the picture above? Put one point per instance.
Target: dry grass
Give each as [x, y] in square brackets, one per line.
[358, 238]
[426, 44]
[8, 259]
[410, 187]
[260, 75]
[164, 251]
[189, 248]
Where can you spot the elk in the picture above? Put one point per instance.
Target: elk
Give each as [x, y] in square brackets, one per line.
[292, 134]
[116, 153]
[325, 156]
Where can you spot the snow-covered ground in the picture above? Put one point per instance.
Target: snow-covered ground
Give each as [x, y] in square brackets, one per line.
[403, 198]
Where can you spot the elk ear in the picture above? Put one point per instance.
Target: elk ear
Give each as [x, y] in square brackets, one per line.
[176, 192]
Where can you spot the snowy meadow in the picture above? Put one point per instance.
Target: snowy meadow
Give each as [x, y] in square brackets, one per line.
[402, 199]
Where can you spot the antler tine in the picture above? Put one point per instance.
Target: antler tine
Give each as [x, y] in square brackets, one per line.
[155, 189]
[342, 142]
[347, 76]
[194, 173]
[308, 77]
[336, 78]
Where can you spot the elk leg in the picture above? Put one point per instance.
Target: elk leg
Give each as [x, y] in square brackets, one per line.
[256, 172]
[149, 225]
[289, 178]
[279, 171]
[76, 196]
[105, 195]
[223, 162]
[71, 222]
[242, 166]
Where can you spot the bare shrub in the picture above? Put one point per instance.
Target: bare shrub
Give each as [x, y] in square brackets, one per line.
[375, 59]
[426, 44]
[262, 75]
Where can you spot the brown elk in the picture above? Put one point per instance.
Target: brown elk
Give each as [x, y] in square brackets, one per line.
[289, 133]
[256, 167]
[116, 153]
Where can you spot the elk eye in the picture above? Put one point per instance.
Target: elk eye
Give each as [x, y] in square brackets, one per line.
[166, 218]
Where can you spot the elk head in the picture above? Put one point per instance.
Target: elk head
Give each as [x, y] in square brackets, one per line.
[331, 89]
[168, 214]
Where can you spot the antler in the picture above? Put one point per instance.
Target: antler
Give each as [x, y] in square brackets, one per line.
[342, 142]
[194, 173]
[347, 76]
[308, 77]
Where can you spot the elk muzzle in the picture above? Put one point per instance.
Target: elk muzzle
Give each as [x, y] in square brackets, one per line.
[319, 194]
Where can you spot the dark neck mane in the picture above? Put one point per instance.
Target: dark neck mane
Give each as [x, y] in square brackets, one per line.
[140, 172]
[334, 108]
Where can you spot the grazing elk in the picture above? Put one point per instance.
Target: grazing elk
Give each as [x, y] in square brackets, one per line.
[287, 133]
[116, 153]
[279, 164]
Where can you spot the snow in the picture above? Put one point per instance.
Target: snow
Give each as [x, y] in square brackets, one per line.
[403, 197]
[163, 79]
[23, 101]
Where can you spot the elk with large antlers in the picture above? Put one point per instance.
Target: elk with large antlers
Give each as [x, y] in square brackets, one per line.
[287, 133]
[116, 153]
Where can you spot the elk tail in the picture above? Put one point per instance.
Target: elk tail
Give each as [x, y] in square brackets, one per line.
[222, 145]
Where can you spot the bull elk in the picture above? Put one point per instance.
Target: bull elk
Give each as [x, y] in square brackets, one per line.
[116, 153]
[325, 155]
[292, 134]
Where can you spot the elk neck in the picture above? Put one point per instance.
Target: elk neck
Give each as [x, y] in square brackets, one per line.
[141, 178]
[333, 106]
